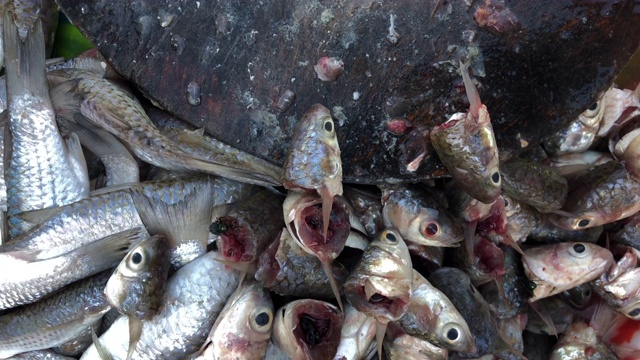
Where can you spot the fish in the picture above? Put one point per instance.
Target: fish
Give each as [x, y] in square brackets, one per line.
[40, 355]
[288, 270]
[367, 207]
[243, 328]
[629, 233]
[466, 145]
[380, 285]
[581, 342]
[76, 346]
[111, 108]
[605, 194]
[533, 183]
[194, 296]
[578, 297]
[580, 134]
[357, 335]
[620, 333]
[620, 285]
[304, 216]
[55, 319]
[572, 165]
[137, 285]
[511, 300]
[308, 329]
[522, 219]
[426, 258]
[432, 317]
[43, 170]
[24, 282]
[399, 345]
[557, 310]
[419, 218]
[313, 160]
[546, 233]
[557, 267]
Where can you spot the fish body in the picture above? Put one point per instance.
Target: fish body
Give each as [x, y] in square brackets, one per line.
[193, 298]
[558, 267]
[55, 319]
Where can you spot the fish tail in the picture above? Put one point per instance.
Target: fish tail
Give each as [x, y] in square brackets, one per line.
[135, 331]
[381, 330]
[108, 251]
[103, 354]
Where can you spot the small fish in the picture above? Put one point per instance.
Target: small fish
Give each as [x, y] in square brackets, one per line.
[304, 217]
[76, 346]
[432, 317]
[55, 319]
[381, 283]
[548, 233]
[286, 269]
[193, 298]
[367, 207]
[467, 147]
[313, 161]
[399, 345]
[579, 297]
[620, 285]
[558, 267]
[419, 218]
[357, 335]
[308, 329]
[243, 328]
[136, 287]
[581, 342]
[522, 219]
[572, 165]
[557, 310]
[580, 134]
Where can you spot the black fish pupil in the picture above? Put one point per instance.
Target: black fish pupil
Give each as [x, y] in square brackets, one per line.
[634, 312]
[495, 177]
[506, 203]
[593, 106]
[328, 126]
[136, 258]
[376, 298]
[579, 248]
[452, 334]
[583, 223]
[262, 319]
[391, 237]
[313, 334]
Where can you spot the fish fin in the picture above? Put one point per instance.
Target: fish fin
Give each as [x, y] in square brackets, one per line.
[381, 330]
[472, 92]
[562, 213]
[183, 215]
[23, 222]
[544, 316]
[327, 204]
[210, 167]
[356, 240]
[135, 331]
[78, 162]
[102, 351]
[326, 265]
[108, 251]
[507, 239]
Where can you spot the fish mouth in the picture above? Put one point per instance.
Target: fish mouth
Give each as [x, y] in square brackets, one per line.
[235, 243]
[316, 328]
[309, 227]
[381, 305]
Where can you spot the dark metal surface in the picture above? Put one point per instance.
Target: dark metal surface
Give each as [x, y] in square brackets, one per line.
[537, 65]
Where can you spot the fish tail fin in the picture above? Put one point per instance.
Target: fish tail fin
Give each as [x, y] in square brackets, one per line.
[102, 351]
[108, 251]
[195, 163]
[326, 265]
[78, 162]
[135, 330]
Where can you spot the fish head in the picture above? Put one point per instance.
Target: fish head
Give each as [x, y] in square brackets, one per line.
[558, 267]
[136, 287]
[235, 241]
[381, 284]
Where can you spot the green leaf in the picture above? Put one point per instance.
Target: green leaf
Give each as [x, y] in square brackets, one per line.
[69, 41]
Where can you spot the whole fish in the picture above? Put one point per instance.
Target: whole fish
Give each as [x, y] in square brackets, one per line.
[193, 298]
[137, 285]
[43, 170]
[533, 183]
[581, 342]
[286, 269]
[304, 215]
[558, 267]
[466, 145]
[432, 317]
[313, 161]
[399, 345]
[606, 194]
[308, 329]
[381, 283]
[55, 319]
[357, 335]
[23, 281]
[419, 218]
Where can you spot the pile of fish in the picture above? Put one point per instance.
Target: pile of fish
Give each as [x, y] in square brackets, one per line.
[128, 234]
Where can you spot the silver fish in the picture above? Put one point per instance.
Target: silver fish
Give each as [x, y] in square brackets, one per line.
[399, 345]
[194, 297]
[55, 319]
[358, 334]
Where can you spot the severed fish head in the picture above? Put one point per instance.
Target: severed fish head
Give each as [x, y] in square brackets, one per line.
[559, 267]
[137, 286]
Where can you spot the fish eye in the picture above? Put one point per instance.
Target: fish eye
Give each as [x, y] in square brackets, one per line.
[390, 237]
[452, 333]
[587, 293]
[376, 298]
[136, 258]
[262, 319]
[578, 250]
[635, 312]
[328, 126]
[583, 223]
[430, 230]
[593, 106]
[506, 202]
[495, 177]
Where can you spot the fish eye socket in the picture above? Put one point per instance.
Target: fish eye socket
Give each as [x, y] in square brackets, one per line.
[328, 126]
[390, 237]
[583, 223]
[136, 258]
[593, 106]
[635, 312]
[587, 293]
[431, 229]
[376, 298]
[495, 177]
[506, 202]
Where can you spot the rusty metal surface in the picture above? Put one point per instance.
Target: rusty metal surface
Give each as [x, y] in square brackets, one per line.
[537, 65]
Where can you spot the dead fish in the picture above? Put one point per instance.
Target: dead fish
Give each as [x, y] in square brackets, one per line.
[399, 345]
[572, 165]
[548, 233]
[578, 297]
[367, 207]
[286, 269]
[25, 281]
[426, 258]
[76, 346]
[304, 216]
[136, 287]
[246, 231]
[511, 300]
[55, 319]
[43, 169]
[558, 267]
[419, 218]
[308, 329]
[466, 145]
[357, 335]
[432, 317]
[243, 328]
[557, 310]
[620, 333]
[620, 285]
[313, 161]
[580, 134]
[605, 194]
[533, 183]
[193, 298]
[522, 219]
[629, 233]
[581, 342]
[40, 355]
[381, 283]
